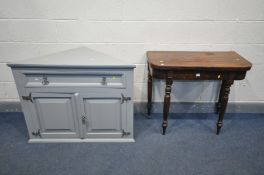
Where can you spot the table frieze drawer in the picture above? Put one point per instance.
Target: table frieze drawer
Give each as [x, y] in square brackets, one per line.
[200, 75]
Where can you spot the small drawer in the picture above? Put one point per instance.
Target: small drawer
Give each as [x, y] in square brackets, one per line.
[198, 75]
[191, 75]
[65, 80]
[207, 75]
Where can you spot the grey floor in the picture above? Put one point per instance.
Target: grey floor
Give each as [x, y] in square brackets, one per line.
[190, 147]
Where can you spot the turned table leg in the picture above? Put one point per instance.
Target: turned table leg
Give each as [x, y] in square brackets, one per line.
[225, 89]
[218, 104]
[149, 91]
[166, 107]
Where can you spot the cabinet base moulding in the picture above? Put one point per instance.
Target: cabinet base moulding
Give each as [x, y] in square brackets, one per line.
[131, 140]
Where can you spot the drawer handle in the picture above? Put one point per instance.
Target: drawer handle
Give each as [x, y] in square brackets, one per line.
[104, 81]
[45, 80]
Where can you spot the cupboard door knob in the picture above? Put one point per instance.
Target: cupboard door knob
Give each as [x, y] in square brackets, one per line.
[83, 119]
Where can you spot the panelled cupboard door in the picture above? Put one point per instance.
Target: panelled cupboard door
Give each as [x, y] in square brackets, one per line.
[103, 115]
[54, 115]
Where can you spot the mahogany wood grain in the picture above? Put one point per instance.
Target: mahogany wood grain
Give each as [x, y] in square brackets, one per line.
[181, 60]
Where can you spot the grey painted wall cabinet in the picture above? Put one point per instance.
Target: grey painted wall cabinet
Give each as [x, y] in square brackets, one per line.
[78, 95]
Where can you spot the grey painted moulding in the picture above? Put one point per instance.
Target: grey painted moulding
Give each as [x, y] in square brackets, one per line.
[81, 57]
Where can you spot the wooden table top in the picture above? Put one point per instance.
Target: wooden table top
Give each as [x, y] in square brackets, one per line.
[188, 60]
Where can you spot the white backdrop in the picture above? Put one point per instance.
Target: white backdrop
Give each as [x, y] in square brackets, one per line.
[126, 29]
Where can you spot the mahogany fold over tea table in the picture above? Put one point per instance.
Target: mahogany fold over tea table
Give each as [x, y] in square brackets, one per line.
[177, 65]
